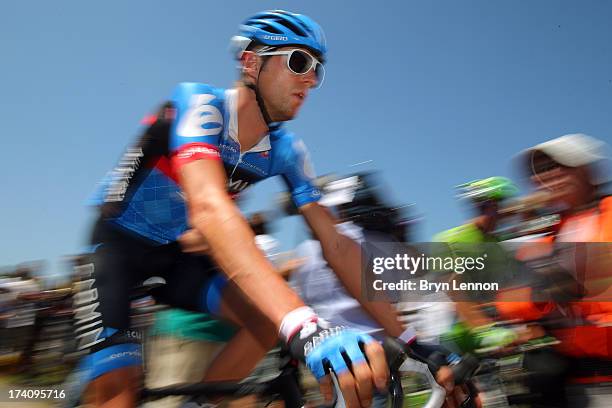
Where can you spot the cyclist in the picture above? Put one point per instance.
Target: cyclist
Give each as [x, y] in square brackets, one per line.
[174, 189]
[475, 331]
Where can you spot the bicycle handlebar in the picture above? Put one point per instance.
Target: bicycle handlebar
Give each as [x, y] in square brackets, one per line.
[285, 384]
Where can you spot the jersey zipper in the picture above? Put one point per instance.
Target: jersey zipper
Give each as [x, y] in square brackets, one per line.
[237, 163]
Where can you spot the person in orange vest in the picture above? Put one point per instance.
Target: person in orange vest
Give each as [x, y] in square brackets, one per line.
[578, 311]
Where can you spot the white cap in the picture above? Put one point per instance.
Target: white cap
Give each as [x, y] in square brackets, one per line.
[572, 150]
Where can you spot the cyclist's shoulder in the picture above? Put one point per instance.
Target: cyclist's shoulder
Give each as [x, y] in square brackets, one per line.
[185, 90]
[293, 156]
[282, 142]
[279, 134]
[463, 233]
[200, 112]
[287, 141]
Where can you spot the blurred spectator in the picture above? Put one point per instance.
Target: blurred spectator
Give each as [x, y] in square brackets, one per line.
[285, 262]
[266, 242]
[182, 345]
[568, 170]
[316, 283]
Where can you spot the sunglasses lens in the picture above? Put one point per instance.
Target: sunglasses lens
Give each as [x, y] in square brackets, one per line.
[299, 62]
[544, 166]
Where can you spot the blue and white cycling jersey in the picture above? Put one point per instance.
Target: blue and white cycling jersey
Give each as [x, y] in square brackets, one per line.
[142, 193]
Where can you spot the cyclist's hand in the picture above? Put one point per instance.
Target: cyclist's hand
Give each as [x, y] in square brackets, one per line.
[445, 378]
[340, 350]
[459, 396]
[357, 385]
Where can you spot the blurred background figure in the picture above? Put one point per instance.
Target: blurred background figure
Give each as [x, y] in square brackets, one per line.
[364, 216]
[18, 315]
[574, 258]
[367, 215]
[266, 242]
[284, 262]
[485, 197]
[181, 346]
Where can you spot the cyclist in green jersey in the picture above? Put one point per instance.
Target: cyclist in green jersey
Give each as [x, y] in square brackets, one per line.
[475, 330]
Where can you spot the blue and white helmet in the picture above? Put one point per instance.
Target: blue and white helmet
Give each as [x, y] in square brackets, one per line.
[278, 28]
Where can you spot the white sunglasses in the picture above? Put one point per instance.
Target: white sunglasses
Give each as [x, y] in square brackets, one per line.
[300, 62]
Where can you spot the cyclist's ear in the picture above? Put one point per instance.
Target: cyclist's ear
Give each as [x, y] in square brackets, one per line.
[250, 63]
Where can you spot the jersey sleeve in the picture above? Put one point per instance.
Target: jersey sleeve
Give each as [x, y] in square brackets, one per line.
[198, 124]
[299, 175]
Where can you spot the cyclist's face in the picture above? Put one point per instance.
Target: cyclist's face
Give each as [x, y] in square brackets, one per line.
[283, 91]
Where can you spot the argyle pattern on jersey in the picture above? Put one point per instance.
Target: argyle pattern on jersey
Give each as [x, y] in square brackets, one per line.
[156, 208]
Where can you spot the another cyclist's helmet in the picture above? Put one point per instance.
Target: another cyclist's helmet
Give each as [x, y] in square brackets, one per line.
[489, 189]
[279, 28]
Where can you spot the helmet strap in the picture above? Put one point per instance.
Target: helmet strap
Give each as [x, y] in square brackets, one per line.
[260, 102]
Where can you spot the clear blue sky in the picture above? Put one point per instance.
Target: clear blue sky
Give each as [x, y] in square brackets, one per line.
[434, 92]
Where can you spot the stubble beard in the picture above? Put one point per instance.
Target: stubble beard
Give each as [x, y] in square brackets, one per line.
[282, 113]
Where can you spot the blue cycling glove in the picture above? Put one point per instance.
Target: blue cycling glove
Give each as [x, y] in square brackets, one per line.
[323, 348]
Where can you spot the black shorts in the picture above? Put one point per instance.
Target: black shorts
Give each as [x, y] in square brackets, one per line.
[120, 261]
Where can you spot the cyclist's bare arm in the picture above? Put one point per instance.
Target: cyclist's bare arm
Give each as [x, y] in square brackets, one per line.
[232, 244]
[344, 256]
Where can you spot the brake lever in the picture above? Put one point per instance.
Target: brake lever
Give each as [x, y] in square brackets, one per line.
[399, 362]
